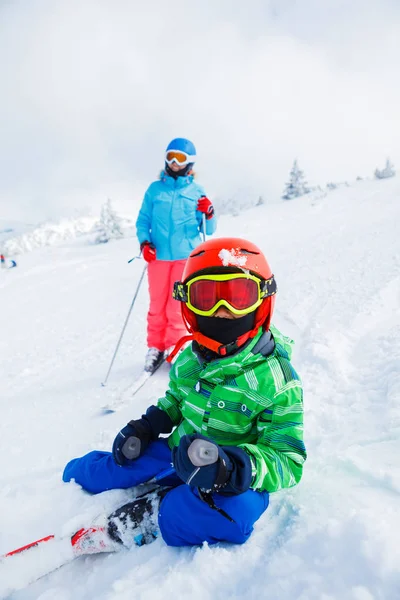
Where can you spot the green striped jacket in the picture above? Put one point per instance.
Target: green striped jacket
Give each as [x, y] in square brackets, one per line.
[246, 400]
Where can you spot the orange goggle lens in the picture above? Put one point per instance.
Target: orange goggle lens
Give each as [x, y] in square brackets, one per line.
[179, 157]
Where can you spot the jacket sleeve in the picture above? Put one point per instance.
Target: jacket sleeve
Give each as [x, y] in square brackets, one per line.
[143, 222]
[279, 453]
[211, 225]
[171, 402]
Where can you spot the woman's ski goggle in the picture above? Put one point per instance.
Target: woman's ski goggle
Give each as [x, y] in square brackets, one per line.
[181, 158]
[239, 292]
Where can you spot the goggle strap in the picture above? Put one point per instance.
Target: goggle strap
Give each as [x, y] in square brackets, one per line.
[180, 291]
[269, 287]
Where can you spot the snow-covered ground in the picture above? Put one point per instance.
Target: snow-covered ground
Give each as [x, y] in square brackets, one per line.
[333, 537]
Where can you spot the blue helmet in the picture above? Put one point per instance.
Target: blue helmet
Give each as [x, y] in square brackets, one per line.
[183, 145]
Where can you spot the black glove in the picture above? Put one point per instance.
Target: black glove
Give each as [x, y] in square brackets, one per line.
[230, 474]
[133, 439]
[131, 442]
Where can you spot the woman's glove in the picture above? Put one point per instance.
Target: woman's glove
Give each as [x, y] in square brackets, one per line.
[204, 205]
[148, 251]
[230, 473]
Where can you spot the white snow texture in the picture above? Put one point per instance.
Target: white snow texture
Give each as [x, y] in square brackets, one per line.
[336, 259]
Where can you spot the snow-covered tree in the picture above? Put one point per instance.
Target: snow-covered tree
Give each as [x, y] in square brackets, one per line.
[297, 185]
[48, 233]
[109, 226]
[388, 171]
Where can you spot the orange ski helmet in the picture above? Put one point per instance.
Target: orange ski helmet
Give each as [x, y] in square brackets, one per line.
[230, 255]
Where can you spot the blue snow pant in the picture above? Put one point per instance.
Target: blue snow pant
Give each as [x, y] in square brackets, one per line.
[184, 519]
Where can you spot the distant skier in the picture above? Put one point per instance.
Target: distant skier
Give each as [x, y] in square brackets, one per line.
[233, 409]
[2, 261]
[168, 228]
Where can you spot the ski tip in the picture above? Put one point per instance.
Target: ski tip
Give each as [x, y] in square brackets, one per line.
[28, 546]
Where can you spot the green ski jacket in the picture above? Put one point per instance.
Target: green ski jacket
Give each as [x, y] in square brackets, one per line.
[247, 400]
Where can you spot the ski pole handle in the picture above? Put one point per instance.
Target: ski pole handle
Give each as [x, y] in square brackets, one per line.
[202, 453]
[131, 448]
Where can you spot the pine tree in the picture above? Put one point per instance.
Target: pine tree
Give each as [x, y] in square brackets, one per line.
[297, 185]
[109, 226]
[388, 171]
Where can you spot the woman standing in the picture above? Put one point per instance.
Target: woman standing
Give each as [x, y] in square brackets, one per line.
[168, 228]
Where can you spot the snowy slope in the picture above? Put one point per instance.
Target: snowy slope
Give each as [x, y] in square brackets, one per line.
[335, 536]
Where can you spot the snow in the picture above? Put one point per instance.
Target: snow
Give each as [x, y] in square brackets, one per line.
[336, 259]
[232, 257]
[24, 239]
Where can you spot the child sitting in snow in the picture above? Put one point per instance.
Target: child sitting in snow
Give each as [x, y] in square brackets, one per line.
[233, 410]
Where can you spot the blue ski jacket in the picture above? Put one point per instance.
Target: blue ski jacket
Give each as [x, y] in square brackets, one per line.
[169, 219]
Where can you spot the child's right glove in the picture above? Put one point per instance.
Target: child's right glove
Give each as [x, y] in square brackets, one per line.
[133, 439]
[131, 442]
[230, 474]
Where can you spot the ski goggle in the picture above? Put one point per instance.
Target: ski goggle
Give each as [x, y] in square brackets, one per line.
[181, 158]
[241, 293]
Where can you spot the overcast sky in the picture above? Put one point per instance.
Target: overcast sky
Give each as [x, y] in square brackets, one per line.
[92, 91]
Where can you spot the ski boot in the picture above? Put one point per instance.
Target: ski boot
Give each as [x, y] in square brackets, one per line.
[154, 358]
[137, 521]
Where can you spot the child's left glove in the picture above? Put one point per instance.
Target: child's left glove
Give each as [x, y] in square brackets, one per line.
[230, 474]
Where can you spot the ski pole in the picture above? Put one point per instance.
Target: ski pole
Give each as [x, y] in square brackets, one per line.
[202, 453]
[204, 227]
[134, 258]
[125, 324]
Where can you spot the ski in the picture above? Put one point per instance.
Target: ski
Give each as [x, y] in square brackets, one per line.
[124, 399]
[25, 565]
[122, 528]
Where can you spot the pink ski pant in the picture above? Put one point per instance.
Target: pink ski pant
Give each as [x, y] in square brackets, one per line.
[164, 319]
